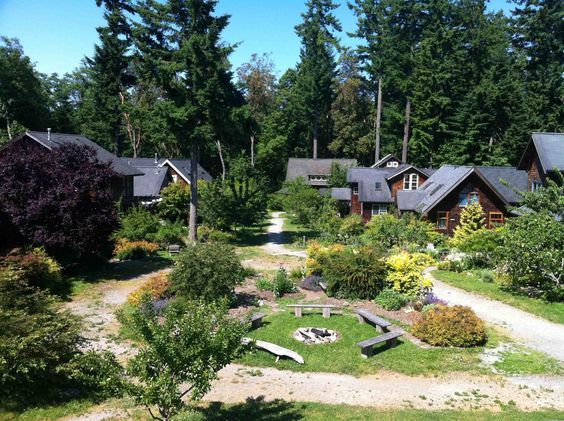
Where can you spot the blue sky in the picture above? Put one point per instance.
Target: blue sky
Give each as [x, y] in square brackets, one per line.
[57, 34]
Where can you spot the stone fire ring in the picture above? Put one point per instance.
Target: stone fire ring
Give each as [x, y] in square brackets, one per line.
[315, 335]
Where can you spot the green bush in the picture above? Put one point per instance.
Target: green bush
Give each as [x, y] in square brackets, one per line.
[351, 228]
[276, 202]
[451, 265]
[480, 246]
[132, 250]
[138, 224]
[451, 326]
[405, 273]
[172, 233]
[389, 231]
[37, 269]
[206, 233]
[302, 202]
[391, 300]
[175, 202]
[282, 284]
[264, 284]
[354, 273]
[485, 275]
[206, 271]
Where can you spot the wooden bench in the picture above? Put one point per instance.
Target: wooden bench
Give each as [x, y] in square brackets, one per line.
[367, 346]
[326, 308]
[256, 320]
[173, 249]
[379, 323]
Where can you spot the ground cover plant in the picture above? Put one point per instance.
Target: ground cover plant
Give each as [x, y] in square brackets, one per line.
[469, 282]
[344, 356]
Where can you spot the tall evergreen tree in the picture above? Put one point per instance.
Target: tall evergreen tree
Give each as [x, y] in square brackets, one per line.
[180, 42]
[317, 68]
[110, 75]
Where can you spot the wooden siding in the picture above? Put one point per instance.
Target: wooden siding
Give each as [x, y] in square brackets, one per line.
[398, 184]
[486, 197]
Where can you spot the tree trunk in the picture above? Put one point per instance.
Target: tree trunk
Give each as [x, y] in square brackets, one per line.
[9, 129]
[117, 138]
[378, 117]
[315, 135]
[406, 131]
[220, 152]
[252, 150]
[193, 215]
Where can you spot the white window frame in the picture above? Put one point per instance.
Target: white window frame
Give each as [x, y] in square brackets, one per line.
[174, 178]
[410, 181]
[392, 164]
[379, 209]
[355, 190]
[317, 178]
[535, 185]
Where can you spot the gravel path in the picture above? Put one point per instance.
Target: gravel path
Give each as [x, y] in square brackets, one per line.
[387, 390]
[527, 328]
[275, 245]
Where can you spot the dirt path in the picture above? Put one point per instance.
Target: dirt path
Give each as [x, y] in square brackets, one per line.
[388, 390]
[98, 309]
[527, 328]
[275, 245]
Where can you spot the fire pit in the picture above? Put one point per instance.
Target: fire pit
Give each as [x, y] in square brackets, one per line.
[315, 335]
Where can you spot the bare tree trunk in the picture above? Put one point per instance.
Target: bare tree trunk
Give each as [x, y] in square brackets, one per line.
[315, 135]
[252, 150]
[9, 129]
[220, 152]
[378, 119]
[193, 215]
[134, 138]
[406, 131]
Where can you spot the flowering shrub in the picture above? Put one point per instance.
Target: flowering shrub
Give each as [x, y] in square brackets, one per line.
[318, 254]
[156, 288]
[450, 326]
[126, 249]
[37, 268]
[406, 275]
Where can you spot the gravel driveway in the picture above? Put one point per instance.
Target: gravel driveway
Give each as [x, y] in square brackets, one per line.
[275, 245]
[527, 328]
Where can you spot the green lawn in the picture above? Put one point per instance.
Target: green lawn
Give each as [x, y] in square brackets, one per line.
[344, 356]
[524, 361]
[294, 234]
[550, 311]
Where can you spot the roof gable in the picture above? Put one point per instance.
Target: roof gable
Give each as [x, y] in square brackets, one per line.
[366, 178]
[304, 167]
[382, 163]
[549, 148]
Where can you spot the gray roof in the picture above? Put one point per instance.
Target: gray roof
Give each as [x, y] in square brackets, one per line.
[550, 149]
[304, 167]
[383, 160]
[516, 178]
[57, 139]
[182, 165]
[367, 179]
[341, 193]
[151, 182]
[404, 167]
[409, 199]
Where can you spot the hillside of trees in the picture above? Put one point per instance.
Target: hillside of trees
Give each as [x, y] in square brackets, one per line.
[460, 84]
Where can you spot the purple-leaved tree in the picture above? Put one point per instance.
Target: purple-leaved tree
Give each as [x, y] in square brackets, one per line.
[60, 199]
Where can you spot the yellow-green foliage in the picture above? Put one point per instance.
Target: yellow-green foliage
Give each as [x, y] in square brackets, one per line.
[316, 253]
[126, 249]
[471, 220]
[405, 272]
[451, 326]
[156, 288]
[36, 267]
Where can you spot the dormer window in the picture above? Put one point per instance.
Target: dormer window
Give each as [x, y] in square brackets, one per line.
[392, 164]
[317, 178]
[410, 181]
[355, 190]
[378, 186]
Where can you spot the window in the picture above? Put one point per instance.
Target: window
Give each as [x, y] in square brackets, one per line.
[536, 185]
[496, 218]
[392, 164]
[465, 198]
[410, 181]
[442, 220]
[462, 199]
[378, 186]
[355, 190]
[379, 208]
[317, 178]
[473, 197]
[174, 178]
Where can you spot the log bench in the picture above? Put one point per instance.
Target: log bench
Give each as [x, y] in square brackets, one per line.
[367, 346]
[379, 323]
[326, 308]
[173, 249]
[256, 320]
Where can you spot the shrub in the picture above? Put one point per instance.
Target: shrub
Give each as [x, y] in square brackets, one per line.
[157, 287]
[471, 220]
[354, 273]
[485, 275]
[303, 202]
[451, 265]
[175, 202]
[312, 283]
[206, 271]
[317, 254]
[264, 284]
[406, 275]
[275, 202]
[206, 233]
[37, 269]
[297, 273]
[138, 224]
[390, 299]
[389, 231]
[351, 228]
[126, 249]
[531, 255]
[480, 246]
[451, 326]
[171, 233]
[282, 284]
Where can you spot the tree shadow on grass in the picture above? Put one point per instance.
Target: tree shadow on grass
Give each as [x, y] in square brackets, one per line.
[253, 409]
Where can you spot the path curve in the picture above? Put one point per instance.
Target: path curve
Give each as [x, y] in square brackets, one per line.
[533, 331]
[275, 244]
[386, 390]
